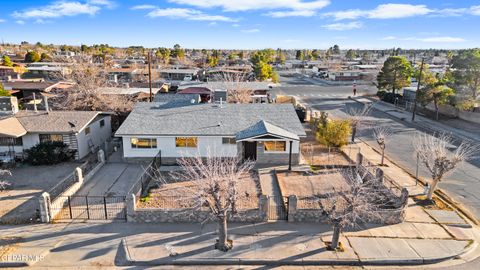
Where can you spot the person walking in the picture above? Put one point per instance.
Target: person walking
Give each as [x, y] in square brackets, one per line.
[354, 89]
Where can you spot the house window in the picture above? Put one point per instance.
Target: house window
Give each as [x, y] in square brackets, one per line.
[50, 138]
[102, 123]
[7, 141]
[228, 140]
[143, 143]
[275, 146]
[87, 130]
[190, 142]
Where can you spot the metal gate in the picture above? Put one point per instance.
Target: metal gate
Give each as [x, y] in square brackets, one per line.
[277, 208]
[88, 208]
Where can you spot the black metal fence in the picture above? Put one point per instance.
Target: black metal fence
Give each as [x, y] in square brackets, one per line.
[277, 208]
[89, 208]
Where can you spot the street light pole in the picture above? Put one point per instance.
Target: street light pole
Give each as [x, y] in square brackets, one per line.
[418, 89]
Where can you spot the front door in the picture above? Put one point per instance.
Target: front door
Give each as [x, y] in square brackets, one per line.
[250, 150]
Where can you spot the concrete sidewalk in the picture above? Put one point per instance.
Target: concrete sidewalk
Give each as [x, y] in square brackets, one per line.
[91, 245]
[296, 244]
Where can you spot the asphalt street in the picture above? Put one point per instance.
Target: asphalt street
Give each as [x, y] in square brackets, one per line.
[462, 185]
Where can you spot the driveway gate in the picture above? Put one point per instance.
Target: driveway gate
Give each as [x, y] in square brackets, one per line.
[277, 208]
[89, 208]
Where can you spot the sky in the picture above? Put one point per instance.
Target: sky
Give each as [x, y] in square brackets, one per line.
[244, 24]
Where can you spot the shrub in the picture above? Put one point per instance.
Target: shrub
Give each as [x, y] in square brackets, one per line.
[334, 133]
[390, 97]
[49, 153]
[381, 94]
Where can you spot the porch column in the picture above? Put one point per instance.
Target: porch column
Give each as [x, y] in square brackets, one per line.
[290, 157]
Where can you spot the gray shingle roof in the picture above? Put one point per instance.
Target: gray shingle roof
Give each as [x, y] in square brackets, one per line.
[208, 119]
[265, 128]
[55, 121]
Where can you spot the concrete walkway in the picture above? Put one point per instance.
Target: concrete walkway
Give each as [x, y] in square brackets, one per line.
[269, 185]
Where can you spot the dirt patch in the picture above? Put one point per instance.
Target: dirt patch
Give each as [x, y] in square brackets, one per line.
[307, 185]
[317, 154]
[175, 195]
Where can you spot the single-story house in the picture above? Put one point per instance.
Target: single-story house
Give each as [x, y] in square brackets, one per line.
[83, 131]
[267, 133]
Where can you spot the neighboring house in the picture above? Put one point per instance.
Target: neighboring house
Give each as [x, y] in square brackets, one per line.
[25, 90]
[48, 69]
[267, 133]
[344, 75]
[83, 131]
[179, 74]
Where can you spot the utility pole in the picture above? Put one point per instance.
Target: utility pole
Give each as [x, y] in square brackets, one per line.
[150, 74]
[418, 89]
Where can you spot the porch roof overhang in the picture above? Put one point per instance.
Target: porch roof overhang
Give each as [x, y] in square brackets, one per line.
[11, 127]
[262, 129]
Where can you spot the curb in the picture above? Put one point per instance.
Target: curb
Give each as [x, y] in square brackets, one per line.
[357, 262]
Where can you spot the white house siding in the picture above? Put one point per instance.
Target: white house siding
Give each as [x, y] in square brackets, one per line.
[168, 148]
[29, 140]
[98, 135]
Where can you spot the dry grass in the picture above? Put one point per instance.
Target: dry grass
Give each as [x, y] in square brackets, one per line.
[177, 195]
[285, 99]
[434, 204]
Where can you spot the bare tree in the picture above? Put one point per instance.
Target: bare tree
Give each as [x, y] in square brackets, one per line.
[3, 183]
[353, 205]
[382, 134]
[357, 116]
[237, 87]
[86, 93]
[434, 153]
[215, 186]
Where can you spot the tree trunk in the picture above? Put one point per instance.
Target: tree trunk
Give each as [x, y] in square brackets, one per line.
[354, 132]
[432, 189]
[223, 243]
[336, 236]
[383, 156]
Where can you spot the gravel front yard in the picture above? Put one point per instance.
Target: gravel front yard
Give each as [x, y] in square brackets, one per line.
[177, 195]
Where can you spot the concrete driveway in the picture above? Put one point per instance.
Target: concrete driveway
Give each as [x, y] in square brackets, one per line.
[18, 204]
[113, 179]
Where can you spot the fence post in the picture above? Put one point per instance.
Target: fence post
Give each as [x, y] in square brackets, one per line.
[359, 159]
[292, 207]
[79, 175]
[101, 156]
[70, 207]
[105, 207]
[86, 203]
[130, 200]
[45, 207]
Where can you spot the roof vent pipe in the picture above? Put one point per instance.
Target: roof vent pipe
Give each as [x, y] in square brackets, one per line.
[34, 103]
[45, 99]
